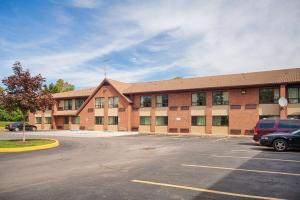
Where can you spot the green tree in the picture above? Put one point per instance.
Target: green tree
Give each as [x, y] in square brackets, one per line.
[59, 86]
[177, 77]
[23, 93]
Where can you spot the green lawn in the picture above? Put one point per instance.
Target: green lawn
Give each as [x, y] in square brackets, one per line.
[2, 124]
[28, 143]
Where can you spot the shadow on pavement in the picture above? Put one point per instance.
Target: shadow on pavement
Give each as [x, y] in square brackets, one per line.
[260, 184]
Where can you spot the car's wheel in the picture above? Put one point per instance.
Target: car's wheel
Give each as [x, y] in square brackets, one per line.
[17, 129]
[280, 145]
[33, 128]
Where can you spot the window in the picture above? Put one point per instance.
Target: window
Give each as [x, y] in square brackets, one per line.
[269, 116]
[145, 120]
[294, 124]
[113, 102]
[198, 121]
[220, 98]
[199, 99]
[268, 95]
[293, 117]
[99, 102]
[99, 120]
[145, 101]
[38, 120]
[75, 120]
[113, 120]
[47, 120]
[162, 101]
[266, 124]
[220, 121]
[68, 105]
[294, 95]
[162, 121]
[66, 120]
[78, 103]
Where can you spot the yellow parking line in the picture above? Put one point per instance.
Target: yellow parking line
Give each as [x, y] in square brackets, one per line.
[204, 190]
[245, 170]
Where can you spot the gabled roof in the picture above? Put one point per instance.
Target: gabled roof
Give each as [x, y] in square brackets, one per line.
[118, 86]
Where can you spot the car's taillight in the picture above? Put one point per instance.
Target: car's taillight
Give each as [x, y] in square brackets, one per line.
[255, 131]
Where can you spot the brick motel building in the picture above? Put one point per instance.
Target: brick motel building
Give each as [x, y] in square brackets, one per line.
[225, 104]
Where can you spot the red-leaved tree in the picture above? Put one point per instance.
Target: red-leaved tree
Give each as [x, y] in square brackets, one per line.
[24, 92]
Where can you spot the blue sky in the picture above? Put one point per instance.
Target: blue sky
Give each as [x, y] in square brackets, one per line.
[147, 40]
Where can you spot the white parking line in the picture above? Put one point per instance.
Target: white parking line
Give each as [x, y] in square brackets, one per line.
[252, 158]
[220, 139]
[204, 190]
[239, 169]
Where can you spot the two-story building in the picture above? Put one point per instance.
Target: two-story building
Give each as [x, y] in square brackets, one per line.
[224, 104]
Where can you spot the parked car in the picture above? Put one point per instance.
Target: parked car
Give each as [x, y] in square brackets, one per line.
[266, 126]
[18, 126]
[281, 141]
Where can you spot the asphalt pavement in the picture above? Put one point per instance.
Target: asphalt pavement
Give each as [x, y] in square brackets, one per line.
[150, 167]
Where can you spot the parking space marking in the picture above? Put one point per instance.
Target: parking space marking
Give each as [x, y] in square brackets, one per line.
[253, 158]
[220, 139]
[204, 190]
[244, 170]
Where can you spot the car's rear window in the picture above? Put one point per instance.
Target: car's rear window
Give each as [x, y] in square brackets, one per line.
[293, 124]
[266, 124]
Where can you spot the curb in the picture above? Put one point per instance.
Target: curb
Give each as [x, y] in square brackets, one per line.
[32, 148]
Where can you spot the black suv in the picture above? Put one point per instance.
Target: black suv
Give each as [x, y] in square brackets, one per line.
[18, 126]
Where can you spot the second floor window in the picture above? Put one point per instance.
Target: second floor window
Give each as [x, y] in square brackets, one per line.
[113, 102]
[220, 98]
[99, 102]
[146, 101]
[268, 95]
[162, 101]
[199, 99]
[294, 95]
[68, 105]
[78, 103]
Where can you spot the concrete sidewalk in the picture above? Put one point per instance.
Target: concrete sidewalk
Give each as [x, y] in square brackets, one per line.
[83, 134]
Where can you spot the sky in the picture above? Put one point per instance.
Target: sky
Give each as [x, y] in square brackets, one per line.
[78, 40]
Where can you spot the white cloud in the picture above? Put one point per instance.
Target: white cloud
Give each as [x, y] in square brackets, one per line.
[85, 3]
[198, 37]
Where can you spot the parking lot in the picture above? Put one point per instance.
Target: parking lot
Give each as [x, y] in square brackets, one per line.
[150, 167]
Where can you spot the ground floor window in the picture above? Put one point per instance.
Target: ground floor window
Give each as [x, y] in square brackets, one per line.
[66, 120]
[113, 120]
[198, 121]
[145, 120]
[99, 120]
[269, 116]
[162, 121]
[76, 120]
[38, 120]
[294, 116]
[220, 121]
[47, 120]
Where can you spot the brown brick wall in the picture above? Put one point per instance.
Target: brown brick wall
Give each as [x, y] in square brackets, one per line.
[243, 119]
